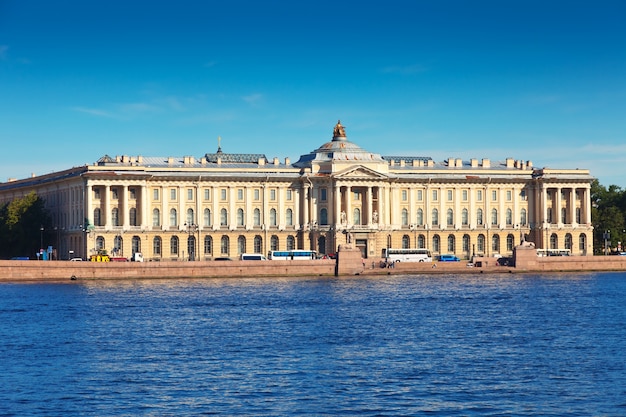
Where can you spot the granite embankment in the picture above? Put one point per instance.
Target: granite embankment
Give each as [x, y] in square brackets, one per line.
[65, 270]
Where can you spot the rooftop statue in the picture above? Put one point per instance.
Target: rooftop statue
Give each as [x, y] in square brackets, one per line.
[339, 131]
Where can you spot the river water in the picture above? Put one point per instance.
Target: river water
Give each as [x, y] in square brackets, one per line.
[512, 345]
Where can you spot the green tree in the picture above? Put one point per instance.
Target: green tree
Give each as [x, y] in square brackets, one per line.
[608, 213]
[21, 221]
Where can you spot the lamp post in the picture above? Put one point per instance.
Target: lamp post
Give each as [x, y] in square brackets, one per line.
[191, 245]
[606, 236]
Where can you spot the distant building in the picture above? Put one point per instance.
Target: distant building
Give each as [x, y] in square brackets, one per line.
[224, 204]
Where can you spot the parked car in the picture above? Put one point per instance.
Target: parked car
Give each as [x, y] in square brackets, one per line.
[222, 258]
[448, 258]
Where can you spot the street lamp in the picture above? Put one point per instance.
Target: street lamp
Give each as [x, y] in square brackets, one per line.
[606, 236]
[41, 240]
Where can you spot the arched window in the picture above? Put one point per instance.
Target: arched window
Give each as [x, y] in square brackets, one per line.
[554, 241]
[191, 247]
[136, 244]
[241, 244]
[464, 217]
[223, 217]
[406, 242]
[405, 217]
[207, 217]
[421, 242]
[289, 217]
[118, 248]
[173, 218]
[132, 216]
[257, 217]
[449, 217]
[480, 243]
[291, 243]
[156, 217]
[225, 245]
[451, 244]
[510, 241]
[523, 217]
[208, 245]
[495, 244]
[274, 242]
[568, 241]
[420, 217]
[240, 217]
[436, 243]
[115, 217]
[388, 241]
[479, 217]
[494, 217]
[509, 217]
[356, 216]
[174, 245]
[582, 243]
[466, 244]
[273, 217]
[99, 243]
[435, 217]
[323, 217]
[156, 246]
[258, 244]
[190, 216]
[97, 218]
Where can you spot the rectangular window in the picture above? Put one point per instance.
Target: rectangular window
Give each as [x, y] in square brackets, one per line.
[357, 195]
[155, 194]
[240, 194]
[96, 194]
[479, 195]
[207, 194]
[509, 195]
[114, 194]
[173, 194]
[434, 195]
[257, 195]
[420, 197]
[323, 194]
[223, 192]
[523, 195]
[133, 193]
[189, 194]
[290, 195]
[273, 195]
[405, 195]
[449, 195]
[494, 195]
[464, 195]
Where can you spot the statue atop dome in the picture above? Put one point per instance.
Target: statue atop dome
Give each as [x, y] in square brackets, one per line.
[339, 131]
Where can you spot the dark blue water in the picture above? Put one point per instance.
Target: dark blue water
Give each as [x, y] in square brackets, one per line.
[432, 345]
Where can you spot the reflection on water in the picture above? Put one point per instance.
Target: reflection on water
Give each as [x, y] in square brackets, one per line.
[397, 345]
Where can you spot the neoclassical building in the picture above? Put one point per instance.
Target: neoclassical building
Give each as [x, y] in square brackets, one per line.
[224, 204]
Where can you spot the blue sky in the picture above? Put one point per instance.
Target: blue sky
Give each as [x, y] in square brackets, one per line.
[534, 80]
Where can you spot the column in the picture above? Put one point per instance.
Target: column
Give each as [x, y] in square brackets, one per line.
[182, 215]
[587, 205]
[215, 215]
[457, 208]
[557, 210]
[249, 210]
[232, 212]
[305, 204]
[472, 209]
[368, 205]
[165, 215]
[502, 210]
[379, 194]
[572, 206]
[145, 220]
[89, 205]
[337, 211]
[544, 204]
[124, 210]
[107, 206]
[349, 205]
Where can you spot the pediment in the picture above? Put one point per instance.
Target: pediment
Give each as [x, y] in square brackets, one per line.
[359, 172]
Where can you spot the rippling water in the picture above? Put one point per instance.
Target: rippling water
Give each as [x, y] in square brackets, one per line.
[401, 345]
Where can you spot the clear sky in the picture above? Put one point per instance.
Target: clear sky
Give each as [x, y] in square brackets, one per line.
[533, 80]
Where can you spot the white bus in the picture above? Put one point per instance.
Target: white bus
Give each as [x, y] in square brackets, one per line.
[291, 255]
[407, 255]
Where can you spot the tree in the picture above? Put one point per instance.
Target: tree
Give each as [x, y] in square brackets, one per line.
[21, 221]
[608, 212]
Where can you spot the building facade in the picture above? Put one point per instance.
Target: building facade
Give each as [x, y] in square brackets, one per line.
[224, 204]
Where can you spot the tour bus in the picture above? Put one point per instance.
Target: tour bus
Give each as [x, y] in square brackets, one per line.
[554, 252]
[407, 255]
[252, 257]
[290, 255]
